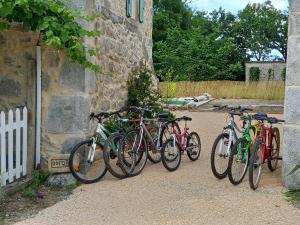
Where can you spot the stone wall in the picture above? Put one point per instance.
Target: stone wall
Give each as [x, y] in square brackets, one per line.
[69, 91]
[291, 153]
[17, 77]
[276, 67]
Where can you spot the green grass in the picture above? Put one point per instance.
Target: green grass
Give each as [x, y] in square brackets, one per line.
[293, 195]
[266, 90]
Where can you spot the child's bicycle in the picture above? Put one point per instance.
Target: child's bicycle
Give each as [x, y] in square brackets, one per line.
[178, 144]
[265, 149]
[239, 159]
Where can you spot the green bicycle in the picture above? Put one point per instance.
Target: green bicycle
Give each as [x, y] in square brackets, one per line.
[239, 159]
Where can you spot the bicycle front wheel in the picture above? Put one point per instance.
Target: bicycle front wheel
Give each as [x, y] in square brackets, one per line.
[86, 162]
[133, 153]
[171, 155]
[110, 155]
[255, 165]
[238, 161]
[193, 146]
[219, 156]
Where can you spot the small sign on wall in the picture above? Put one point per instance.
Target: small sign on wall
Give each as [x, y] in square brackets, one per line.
[59, 163]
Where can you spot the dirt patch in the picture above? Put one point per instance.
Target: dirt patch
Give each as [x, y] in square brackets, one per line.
[19, 206]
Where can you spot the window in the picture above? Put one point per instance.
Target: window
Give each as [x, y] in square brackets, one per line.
[136, 9]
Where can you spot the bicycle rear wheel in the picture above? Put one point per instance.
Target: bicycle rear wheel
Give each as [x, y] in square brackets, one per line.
[86, 162]
[275, 149]
[238, 161]
[219, 156]
[110, 155]
[133, 153]
[171, 155]
[255, 165]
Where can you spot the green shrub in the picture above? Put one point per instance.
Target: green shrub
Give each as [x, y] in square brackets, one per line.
[141, 90]
[270, 74]
[38, 179]
[254, 74]
[283, 74]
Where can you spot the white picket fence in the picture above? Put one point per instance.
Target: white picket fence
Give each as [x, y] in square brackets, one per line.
[13, 145]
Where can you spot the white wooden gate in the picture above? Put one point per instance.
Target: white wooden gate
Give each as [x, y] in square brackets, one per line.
[13, 145]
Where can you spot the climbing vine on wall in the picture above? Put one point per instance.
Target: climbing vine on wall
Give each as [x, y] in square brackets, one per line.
[58, 25]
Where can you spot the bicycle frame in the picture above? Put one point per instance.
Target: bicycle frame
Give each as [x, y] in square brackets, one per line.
[265, 136]
[181, 138]
[247, 136]
[234, 134]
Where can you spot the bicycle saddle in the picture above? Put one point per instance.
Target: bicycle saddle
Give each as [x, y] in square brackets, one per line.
[260, 116]
[164, 115]
[184, 118]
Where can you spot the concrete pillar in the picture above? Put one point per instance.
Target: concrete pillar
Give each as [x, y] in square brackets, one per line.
[291, 154]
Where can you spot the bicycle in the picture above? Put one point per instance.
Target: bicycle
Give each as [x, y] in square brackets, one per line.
[239, 159]
[224, 142]
[143, 142]
[266, 148]
[179, 143]
[88, 160]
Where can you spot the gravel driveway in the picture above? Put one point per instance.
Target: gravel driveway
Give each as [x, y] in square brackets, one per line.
[190, 195]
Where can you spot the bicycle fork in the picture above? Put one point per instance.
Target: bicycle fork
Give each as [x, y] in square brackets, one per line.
[92, 151]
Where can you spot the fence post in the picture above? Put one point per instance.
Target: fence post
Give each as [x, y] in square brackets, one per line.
[24, 163]
[10, 146]
[2, 149]
[18, 144]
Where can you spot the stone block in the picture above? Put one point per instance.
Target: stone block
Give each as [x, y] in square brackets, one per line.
[91, 81]
[53, 59]
[291, 156]
[46, 80]
[69, 144]
[293, 67]
[292, 105]
[9, 87]
[294, 5]
[105, 105]
[59, 163]
[68, 114]
[2, 40]
[60, 180]
[72, 76]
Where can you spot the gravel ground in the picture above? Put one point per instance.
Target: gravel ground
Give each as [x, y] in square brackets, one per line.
[190, 195]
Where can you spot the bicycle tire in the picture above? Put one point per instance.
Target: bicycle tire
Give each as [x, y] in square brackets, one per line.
[164, 159]
[189, 154]
[74, 171]
[164, 137]
[217, 174]
[274, 157]
[137, 164]
[113, 165]
[256, 147]
[235, 150]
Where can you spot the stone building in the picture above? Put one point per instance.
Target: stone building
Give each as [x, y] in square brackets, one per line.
[69, 91]
[268, 70]
[291, 153]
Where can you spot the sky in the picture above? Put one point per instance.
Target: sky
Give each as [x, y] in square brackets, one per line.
[232, 5]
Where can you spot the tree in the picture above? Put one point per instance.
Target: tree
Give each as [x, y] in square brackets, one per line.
[260, 29]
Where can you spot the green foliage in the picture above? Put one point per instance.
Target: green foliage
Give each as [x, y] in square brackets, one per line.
[283, 74]
[201, 46]
[262, 28]
[293, 195]
[38, 179]
[58, 25]
[254, 74]
[270, 74]
[141, 90]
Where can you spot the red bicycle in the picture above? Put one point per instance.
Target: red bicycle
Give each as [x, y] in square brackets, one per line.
[265, 149]
[178, 144]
